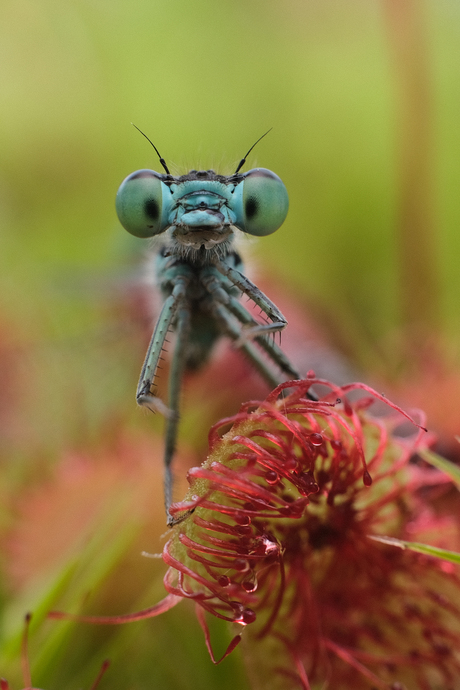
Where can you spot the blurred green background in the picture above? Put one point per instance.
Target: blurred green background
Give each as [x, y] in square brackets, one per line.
[363, 98]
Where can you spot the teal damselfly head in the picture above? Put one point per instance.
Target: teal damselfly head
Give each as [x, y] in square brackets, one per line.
[201, 210]
[149, 203]
[195, 218]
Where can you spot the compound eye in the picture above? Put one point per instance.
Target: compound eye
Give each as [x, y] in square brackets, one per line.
[265, 202]
[139, 203]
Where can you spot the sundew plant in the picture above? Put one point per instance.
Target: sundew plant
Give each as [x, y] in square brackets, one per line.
[296, 528]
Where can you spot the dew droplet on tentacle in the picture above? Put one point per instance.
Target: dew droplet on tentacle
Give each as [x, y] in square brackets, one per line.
[272, 477]
[249, 586]
[247, 616]
[316, 439]
[367, 479]
[242, 519]
[241, 564]
[306, 483]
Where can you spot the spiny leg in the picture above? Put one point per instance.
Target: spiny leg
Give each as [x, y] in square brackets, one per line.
[144, 394]
[176, 308]
[233, 330]
[271, 348]
[258, 297]
[222, 304]
[175, 380]
[213, 285]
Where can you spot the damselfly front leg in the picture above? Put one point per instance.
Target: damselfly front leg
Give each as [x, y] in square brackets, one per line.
[195, 218]
[145, 394]
[258, 297]
[176, 311]
[225, 305]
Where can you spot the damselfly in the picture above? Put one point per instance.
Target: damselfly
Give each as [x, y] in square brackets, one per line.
[195, 218]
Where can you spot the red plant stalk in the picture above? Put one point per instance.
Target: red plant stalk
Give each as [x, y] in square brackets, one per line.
[273, 536]
[4, 685]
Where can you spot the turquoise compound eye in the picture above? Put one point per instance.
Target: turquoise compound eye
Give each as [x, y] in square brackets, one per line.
[139, 203]
[265, 203]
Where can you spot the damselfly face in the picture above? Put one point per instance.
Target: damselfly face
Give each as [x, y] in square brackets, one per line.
[197, 213]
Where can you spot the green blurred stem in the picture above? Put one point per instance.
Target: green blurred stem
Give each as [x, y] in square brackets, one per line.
[415, 224]
[452, 471]
[435, 551]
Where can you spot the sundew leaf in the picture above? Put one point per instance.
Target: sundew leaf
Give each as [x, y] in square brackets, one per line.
[453, 471]
[436, 552]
